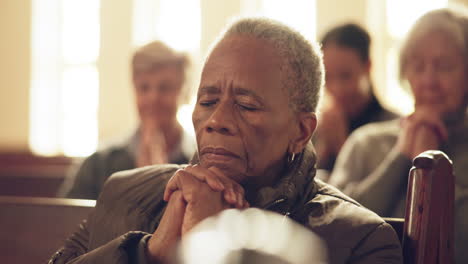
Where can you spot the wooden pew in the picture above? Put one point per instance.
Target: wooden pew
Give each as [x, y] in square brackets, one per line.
[427, 232]
[25, 174]
[32, 229]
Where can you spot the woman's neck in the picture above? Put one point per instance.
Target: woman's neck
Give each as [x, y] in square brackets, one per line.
[271, 176]
[360, 104]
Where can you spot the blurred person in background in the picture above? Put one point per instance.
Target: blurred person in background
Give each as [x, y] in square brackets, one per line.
[349, 100]
[374, 163]
[159, 74]
[254, 118]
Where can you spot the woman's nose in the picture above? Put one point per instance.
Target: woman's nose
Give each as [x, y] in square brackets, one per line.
[429, 77]
[154, 95]
[222, 119]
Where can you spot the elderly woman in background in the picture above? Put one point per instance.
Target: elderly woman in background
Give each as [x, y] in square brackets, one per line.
[158, 78]
[349, 97]
[253, 120]
[374, 164]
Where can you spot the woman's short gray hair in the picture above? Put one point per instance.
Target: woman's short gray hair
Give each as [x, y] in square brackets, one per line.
[156, 54]
[304, 67]
[452, 21]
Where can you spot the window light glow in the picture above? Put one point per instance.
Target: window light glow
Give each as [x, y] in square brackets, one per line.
[180, 27]
[64, 83]
[165, 20]
[299, 14]
[184, 117]
[79, 108]
[43, 124]
[144, 13]
[80, 31]
[401, 14]
[398, 97]
[44, 78]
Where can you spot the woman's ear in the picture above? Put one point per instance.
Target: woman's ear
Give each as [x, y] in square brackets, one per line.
[368, 66]
[307, 122]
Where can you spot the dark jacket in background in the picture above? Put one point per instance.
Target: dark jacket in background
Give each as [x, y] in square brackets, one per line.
[374, 112]
[86, 180]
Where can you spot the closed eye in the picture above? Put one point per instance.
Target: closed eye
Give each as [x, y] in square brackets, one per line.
[247, 107]
[207, 103]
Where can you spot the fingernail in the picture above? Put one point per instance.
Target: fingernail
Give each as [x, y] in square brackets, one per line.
[219, 185]
[227, 196]
[240, 200]
[233, 196]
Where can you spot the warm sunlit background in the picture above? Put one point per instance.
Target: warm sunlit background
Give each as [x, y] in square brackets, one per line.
[64, 64]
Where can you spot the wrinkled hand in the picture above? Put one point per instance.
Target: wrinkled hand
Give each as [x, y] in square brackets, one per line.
[169, 231]
[193, 194]
[332, 130]
[232, 192]
[202, 201]
[191, 203]
[423, 130]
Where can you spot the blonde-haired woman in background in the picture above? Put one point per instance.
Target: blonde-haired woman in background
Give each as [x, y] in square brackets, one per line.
[158, 74]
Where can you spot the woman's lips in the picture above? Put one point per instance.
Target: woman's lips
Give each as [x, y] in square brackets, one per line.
[219, 154]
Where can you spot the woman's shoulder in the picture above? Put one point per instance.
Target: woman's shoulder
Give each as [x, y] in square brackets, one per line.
[109, 153]
[138, 187]
[330, 207]
[345, 224]
[378, 129]
[369, 141]
[143, 175]
[376, 132]
[331, 198]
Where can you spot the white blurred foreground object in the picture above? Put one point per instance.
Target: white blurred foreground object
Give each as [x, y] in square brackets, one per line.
[251, 236]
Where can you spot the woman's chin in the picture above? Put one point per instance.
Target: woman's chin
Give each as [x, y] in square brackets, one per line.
[230, 169]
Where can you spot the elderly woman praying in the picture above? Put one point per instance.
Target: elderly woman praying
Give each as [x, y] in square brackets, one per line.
[253, 120]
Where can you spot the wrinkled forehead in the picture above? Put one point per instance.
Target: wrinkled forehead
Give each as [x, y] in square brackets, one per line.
[244, 48]
[244, 60]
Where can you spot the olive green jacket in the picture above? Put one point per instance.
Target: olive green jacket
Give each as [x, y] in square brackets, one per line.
[131, 206]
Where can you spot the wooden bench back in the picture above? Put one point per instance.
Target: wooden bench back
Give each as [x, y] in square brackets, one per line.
[32, 229]
[429, 229]
[25, 174]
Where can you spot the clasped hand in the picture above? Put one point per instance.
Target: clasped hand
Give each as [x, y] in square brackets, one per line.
[423, 130]
[332, 131]
[193, 194]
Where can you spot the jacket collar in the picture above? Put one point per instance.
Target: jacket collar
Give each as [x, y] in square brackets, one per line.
[294, 188]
